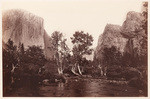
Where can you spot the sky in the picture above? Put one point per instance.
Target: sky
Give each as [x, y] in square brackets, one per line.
[68, 16]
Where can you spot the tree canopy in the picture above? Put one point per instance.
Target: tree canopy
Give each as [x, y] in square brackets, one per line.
[81, 46]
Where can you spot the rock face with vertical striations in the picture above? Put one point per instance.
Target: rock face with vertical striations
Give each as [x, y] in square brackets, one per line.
[110, 37]
[132, 26]
[124, 37]
[132, 29]
[23, 27]
[49, 52]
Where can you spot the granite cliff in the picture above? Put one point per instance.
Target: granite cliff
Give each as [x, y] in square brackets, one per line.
[126, 38]
[133, 30]
[110, 37]
[24, 27]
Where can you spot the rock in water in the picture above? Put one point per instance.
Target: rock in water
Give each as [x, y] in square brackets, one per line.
[23, 27]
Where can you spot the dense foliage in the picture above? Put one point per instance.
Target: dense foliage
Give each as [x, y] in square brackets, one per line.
[111, 56]
[61, 49]
[81, 46]
[21, 67]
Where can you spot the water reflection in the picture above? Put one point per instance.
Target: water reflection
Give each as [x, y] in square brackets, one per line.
[87, 88]
[60, 86]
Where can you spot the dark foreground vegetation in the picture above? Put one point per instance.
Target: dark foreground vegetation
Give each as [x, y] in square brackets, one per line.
[28, 71]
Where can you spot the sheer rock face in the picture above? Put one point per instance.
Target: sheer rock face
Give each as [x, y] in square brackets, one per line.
[23, 27]
[49, 52]
[110, 37]
[132, 28]
[119, 36]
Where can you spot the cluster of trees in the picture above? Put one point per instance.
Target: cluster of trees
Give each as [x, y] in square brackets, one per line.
[20, 65]
[62, 51]
[81, 46]
[144, 41]
[111, 56]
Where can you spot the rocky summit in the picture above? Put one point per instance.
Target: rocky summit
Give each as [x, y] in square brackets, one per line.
[23, 27]
[131, 32]
[110, 37]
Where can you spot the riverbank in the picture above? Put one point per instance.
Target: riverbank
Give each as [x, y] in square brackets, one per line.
[83, 87]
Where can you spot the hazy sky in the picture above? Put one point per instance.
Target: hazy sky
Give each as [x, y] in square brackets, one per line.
[68, 16]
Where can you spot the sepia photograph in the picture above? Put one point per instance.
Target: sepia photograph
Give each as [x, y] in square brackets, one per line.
[74, 48]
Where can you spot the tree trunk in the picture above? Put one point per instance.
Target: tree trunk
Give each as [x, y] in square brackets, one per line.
[101, 69]
[102, 72]
[79, 70]
[105, 71]
[73, 70]
[60, 68]
[60, 71]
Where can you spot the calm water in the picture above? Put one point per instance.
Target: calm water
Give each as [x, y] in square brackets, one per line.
[77, 87]
[81, 87]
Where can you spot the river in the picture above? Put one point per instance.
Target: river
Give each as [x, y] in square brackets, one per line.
[89, 87]
[81, 87]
